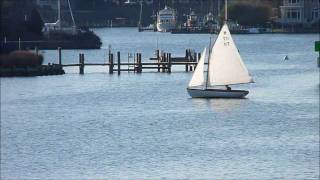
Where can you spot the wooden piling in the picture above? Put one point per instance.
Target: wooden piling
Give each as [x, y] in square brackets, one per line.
[139, 70]
[136, 62]
[188, 57]
[169, 62]
[80, 57]
[163, 61]
[111, 63]
[60, 56]
[186, 54]
[81, 63]
[119, 67]
[194, 57]
[158, 59]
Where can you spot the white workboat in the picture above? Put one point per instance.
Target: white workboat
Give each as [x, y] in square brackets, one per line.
[166, 19]
[225, 67]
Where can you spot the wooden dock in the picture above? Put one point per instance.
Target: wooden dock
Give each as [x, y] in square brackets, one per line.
[163, 62]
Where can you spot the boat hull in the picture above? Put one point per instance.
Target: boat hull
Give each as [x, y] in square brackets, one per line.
[216, 93]
[165, 27]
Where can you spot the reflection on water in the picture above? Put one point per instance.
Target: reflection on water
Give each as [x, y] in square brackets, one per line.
[217, 104]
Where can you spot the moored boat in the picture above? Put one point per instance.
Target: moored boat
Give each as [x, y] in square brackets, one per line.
[166, 19]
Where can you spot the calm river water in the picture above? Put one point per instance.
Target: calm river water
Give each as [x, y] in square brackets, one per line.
[142, 126]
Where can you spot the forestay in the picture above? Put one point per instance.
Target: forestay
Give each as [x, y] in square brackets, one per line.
[226, 66]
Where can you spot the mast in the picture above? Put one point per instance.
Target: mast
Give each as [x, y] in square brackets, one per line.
[140, 15]
[59, 14]
[207, 79]
[218, 8]
[226, 11]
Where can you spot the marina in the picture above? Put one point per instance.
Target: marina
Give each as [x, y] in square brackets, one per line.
[156, 105]
[100, 125]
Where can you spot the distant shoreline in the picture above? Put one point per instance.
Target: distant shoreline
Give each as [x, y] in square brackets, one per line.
[275, 31]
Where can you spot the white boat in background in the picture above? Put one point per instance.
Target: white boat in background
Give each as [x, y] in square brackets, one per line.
[225, 67]
[166, 19]
[58, 27]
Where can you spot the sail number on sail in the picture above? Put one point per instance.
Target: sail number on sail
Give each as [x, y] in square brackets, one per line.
[225, 39]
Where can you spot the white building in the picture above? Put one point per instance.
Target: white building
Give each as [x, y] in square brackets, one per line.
[303, 12]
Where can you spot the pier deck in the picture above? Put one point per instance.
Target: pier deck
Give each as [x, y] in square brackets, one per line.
[161, 63]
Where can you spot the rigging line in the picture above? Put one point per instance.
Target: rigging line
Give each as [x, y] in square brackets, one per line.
[74, 23]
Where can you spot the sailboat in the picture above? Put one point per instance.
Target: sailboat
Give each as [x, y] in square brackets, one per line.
[57, 27]
[225, 67]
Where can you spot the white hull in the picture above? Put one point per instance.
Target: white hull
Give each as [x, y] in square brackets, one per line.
[216, 93]
[165, 27]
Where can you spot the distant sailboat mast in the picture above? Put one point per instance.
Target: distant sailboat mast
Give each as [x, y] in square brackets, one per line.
[140, 15]
[59, 14]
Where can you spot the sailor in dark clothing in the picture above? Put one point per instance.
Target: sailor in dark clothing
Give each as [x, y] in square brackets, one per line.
[228, 88]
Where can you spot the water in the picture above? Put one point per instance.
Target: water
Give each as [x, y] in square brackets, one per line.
[141, 126]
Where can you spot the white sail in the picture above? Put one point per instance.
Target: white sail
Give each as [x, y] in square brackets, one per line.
[226, 66]
[198, 75]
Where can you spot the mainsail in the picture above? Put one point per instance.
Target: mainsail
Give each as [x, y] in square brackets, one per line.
[226, 66]
[198, 76]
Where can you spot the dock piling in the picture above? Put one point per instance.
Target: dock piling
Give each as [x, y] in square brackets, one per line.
[111, 63]
[164, 59]
[139, 63]
[118, 55]
[81, 63]
[59, 52]
[158, 59]
[169, 62]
